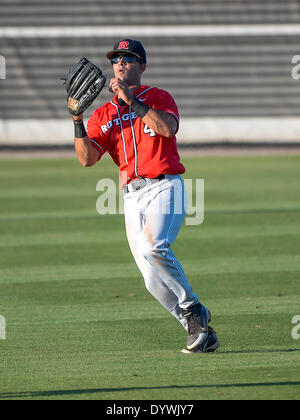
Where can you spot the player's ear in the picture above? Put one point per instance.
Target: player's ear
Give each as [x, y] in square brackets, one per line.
[143, 67]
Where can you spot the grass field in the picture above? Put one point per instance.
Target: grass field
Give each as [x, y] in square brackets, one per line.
[81, 325]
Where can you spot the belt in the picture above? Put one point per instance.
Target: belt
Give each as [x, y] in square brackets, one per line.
[141, 183]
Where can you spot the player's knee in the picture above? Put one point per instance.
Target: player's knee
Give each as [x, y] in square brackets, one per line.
[147, 254]
[155, 253]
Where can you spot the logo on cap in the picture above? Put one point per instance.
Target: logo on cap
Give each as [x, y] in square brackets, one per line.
[124, 45]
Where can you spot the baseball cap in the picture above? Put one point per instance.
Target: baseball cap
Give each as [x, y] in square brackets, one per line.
[128, 46]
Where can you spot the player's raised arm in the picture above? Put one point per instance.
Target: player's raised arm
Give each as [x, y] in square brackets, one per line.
[161, 122]
[83, 84]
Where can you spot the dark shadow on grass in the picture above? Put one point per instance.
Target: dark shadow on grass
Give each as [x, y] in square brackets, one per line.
[74, 392]
[257, 351]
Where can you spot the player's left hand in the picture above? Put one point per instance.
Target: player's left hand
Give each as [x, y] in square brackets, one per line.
[83, 84]
[121, 89]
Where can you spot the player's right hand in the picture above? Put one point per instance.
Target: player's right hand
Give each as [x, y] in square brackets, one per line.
[120, 88]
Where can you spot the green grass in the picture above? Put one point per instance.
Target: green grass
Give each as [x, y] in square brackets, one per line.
[80, 323]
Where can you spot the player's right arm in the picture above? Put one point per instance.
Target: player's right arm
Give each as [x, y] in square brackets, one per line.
[87, 154]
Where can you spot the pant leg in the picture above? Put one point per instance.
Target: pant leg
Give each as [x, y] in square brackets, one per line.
[165, 215]
[135, 220]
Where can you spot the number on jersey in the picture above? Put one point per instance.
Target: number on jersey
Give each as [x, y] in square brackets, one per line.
[149, 131]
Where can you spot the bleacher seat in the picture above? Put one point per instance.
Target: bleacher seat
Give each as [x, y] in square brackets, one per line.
[227, 76]
[145, 12]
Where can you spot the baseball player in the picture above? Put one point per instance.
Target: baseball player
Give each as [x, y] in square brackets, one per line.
[138, 129]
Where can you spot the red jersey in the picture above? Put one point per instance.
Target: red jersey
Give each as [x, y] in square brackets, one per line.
[134, 147]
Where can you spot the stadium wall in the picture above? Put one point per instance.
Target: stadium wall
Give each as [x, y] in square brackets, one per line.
[192, 131]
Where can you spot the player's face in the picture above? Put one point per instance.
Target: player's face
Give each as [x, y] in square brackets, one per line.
[129, 72]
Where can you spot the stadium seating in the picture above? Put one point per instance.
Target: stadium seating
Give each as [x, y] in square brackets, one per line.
[209, 76]
[145, 12]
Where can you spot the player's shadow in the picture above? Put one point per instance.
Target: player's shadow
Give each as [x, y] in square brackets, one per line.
[74, 392]
[256, 351]
[78, 392]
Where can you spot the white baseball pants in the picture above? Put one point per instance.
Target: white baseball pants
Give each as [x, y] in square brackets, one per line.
[153, 217]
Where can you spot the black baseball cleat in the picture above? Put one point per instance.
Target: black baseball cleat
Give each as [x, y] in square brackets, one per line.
[198, 317]
[211, 344]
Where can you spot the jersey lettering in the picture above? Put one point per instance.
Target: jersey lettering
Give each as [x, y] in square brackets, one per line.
[116, 121]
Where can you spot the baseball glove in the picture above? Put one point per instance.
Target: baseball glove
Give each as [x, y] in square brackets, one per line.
[83, 85]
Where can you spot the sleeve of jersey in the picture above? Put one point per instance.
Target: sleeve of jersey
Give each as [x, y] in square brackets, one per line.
[94, 132]
[165, 102]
